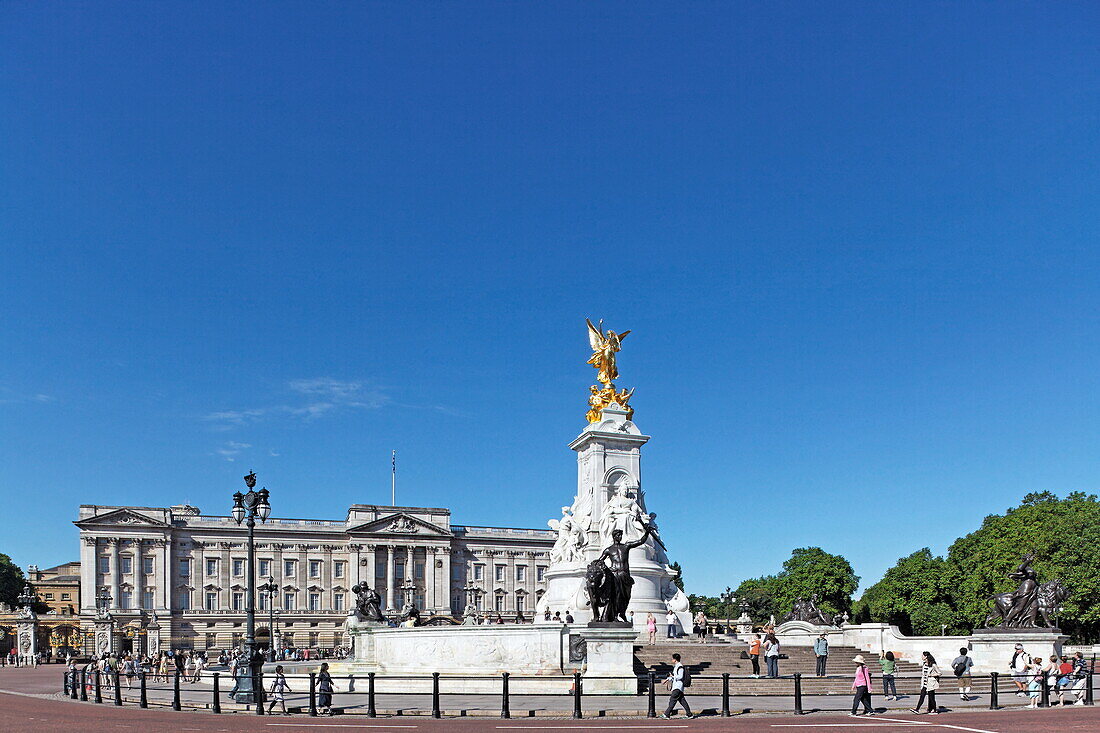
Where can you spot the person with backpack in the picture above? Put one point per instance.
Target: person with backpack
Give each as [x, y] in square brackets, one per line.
[771, 654]
[676, 681]
[861, 685]
[961, 665]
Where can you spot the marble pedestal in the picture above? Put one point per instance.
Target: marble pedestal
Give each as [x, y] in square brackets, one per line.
[27, 640]
[992, 649]
[609, 661]
[104, 636]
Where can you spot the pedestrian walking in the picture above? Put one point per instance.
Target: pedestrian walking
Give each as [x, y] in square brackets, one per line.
[889, 666]
[929, 683]
[324, 690]
[651, 628]
[771, 654]
[961, 665]
[1080, 677]
[861, 686]
[279, 688]
[821, 651]
[677, 680]
[701, 626]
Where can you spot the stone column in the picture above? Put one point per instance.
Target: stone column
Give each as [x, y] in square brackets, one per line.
[88, 560]
[116, 570]
[27, 639]
[326, 576]
[355, 557]
[139, 576]
[389, 577]
[369, 564]
[225, 575]
[165, 573]
[277, 572]
[510, 585]
[445, 606]
[430, 589]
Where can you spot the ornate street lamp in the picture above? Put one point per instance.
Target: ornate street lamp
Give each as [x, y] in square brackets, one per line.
[270, 589]
[27, 598]
[247, 508]
[728, 599]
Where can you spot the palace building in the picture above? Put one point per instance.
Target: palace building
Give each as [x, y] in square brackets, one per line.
[180, 574]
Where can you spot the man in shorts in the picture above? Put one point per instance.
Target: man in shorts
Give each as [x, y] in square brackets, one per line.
[1018, 668]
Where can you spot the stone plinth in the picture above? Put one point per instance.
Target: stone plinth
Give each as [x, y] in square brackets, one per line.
[992, 649]
[609, 654]
[27, 639]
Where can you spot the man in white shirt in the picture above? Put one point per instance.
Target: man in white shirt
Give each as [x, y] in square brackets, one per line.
[675, 682]
[1018, 667]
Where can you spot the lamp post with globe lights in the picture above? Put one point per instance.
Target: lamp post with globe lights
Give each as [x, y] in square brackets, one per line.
[270, 589]
[728, 600]
[246, 509]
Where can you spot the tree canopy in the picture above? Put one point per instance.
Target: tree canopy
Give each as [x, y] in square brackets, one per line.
[809, 570]
[922, 592]
[11, 580]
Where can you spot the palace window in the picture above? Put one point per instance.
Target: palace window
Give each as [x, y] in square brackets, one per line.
[338, 638]
[521, 603]
[238, 601]
[379, 570]
[314, 601]
[147, 600]
[540, 573]
[418, 600]
[211, 641]
[238, 567]
[288, 601]
[147, 565]
[338, 601]
[399, 571]
[183, 600]
[126, 600]
[237, 637]
[211, 601]
[521, 573]
[66, 596]
[104, 564]
[127, 565]
[49, 596]
[263, 601]
[211, 566]
[265, 568]
[289, 568]
[418, 570]
[500, 573]
[185, 567]
[314, 638]
[479, 572]
[338, 569]
[315, 568]
[288, 639]
[498, 603]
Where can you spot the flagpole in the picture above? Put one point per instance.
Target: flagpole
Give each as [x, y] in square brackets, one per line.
[393, 480]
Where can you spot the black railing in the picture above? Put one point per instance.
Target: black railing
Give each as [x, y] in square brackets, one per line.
[801, 692]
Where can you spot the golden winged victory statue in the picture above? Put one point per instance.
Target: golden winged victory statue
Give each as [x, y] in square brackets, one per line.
[604, 347]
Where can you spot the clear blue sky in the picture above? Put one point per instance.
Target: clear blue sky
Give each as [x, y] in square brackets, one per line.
[857, 245]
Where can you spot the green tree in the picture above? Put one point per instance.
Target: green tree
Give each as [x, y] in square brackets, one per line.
[11, 580]
[917, 595]
[809, 571]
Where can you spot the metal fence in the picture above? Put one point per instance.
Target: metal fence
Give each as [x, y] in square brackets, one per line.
[93, 686]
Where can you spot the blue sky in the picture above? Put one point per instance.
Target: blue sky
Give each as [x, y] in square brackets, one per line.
[856, 243]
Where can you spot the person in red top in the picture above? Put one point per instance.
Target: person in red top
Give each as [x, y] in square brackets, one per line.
[754, 655]
[1065, 679]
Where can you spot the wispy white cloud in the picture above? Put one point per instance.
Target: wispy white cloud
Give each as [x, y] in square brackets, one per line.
[9, 396]
[232, 449]
[311, 399]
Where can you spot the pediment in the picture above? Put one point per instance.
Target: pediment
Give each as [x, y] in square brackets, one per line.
[400, 523]
[119, 517]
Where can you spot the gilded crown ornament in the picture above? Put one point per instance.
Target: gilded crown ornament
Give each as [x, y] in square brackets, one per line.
[605, 344]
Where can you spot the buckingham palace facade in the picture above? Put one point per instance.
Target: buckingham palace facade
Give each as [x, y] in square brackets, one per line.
[180, 574]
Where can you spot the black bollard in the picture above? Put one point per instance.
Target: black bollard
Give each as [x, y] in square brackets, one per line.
[313, 694]
[994, 703]
[217, 708]
[1088, 689]
[1044, 691]
[83, 685]
[143, 701]
[98, 689]
[435, 694]
[176, 692]
[118, 689]
[725, 694]
[798, 693]
[65, 683]
[371, 713]
[505, 706]
[652, 711]
[577, 695]
[74, 680]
